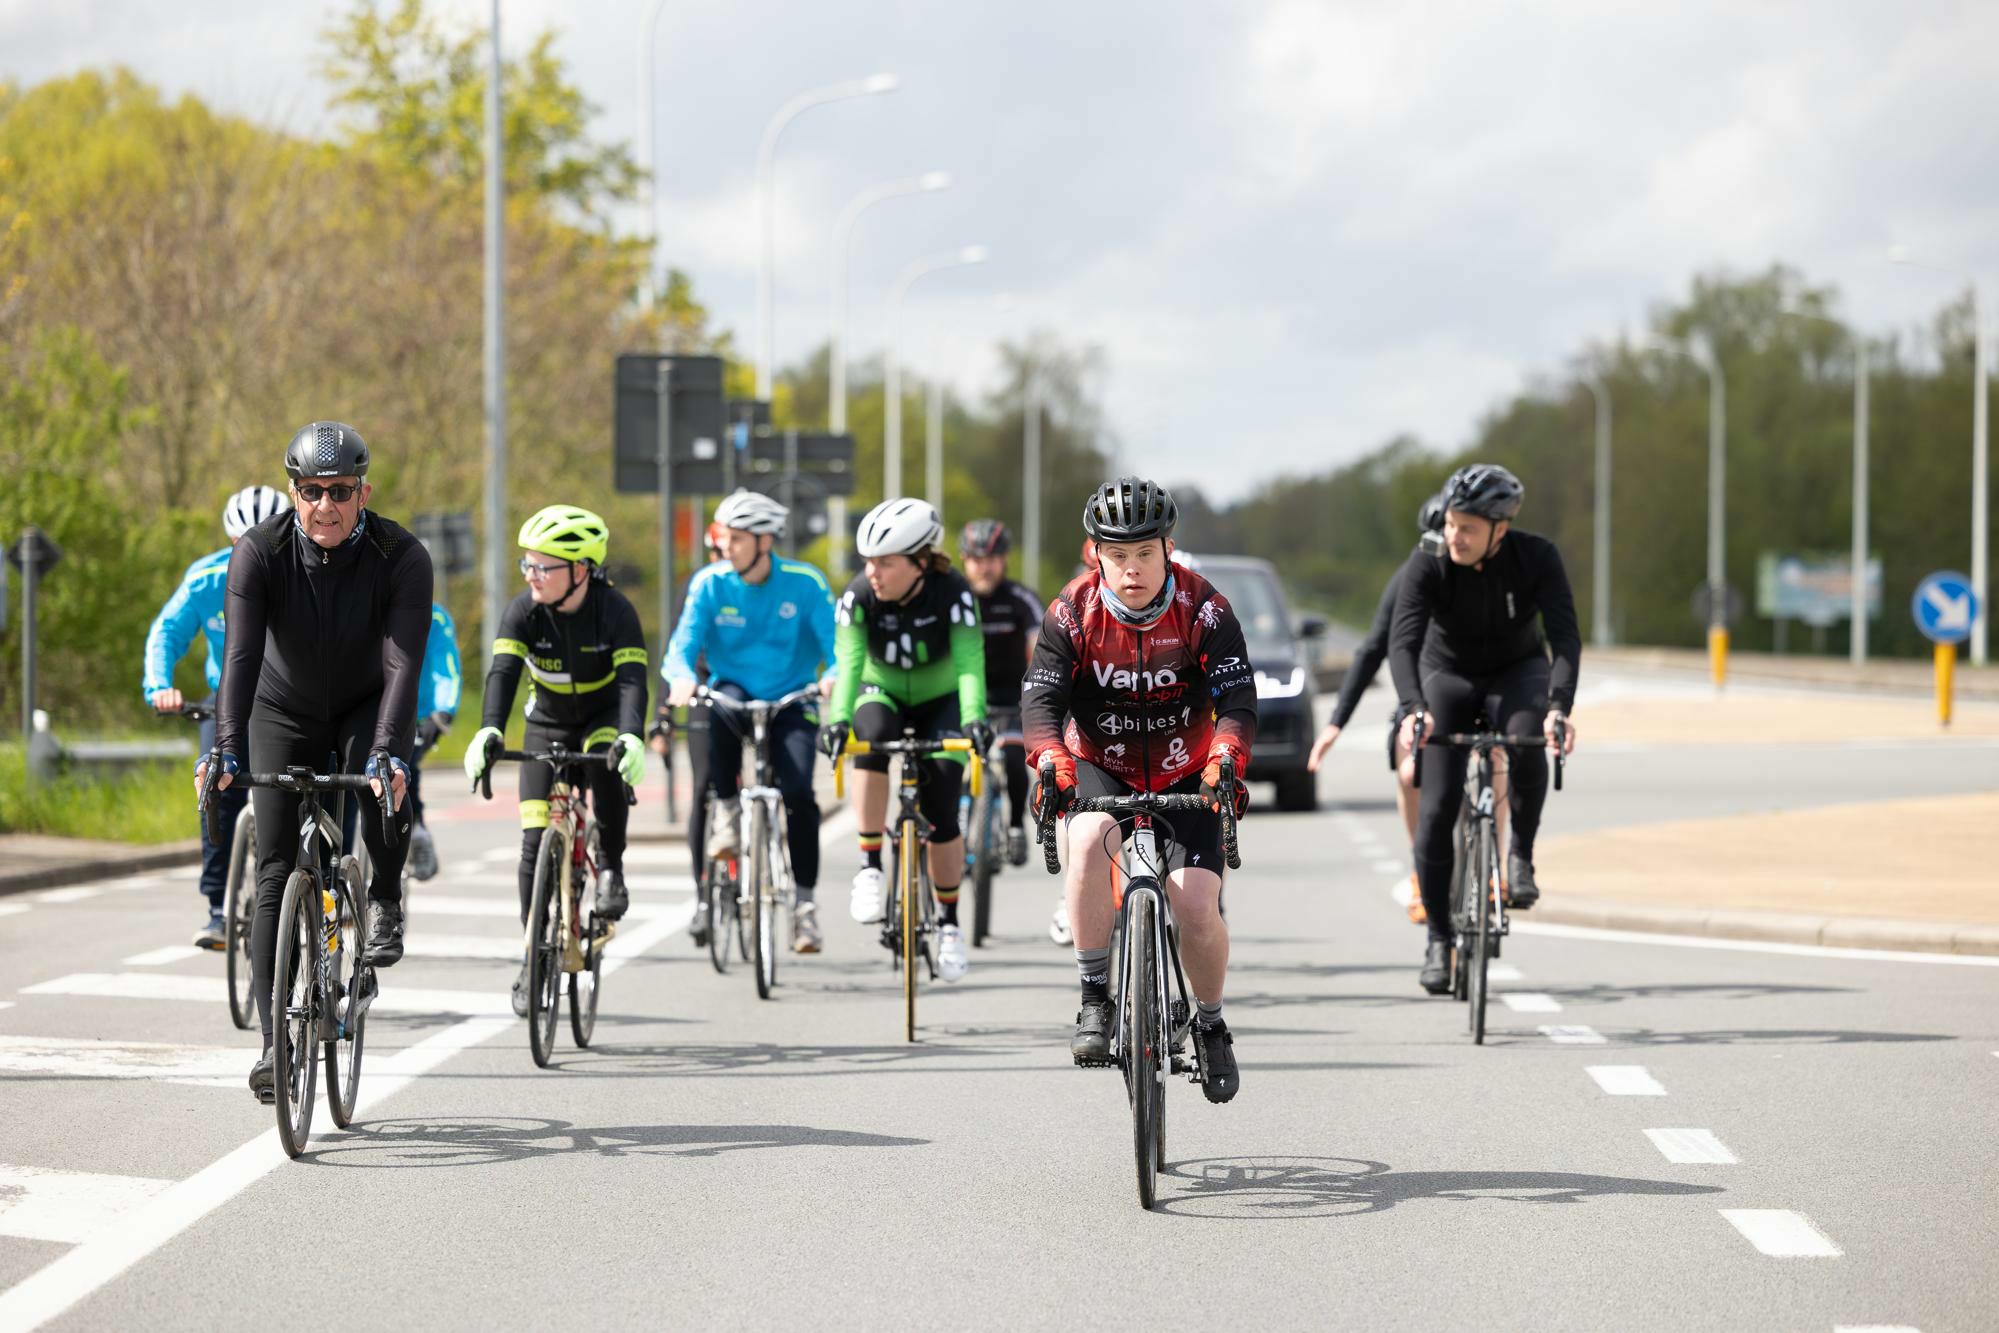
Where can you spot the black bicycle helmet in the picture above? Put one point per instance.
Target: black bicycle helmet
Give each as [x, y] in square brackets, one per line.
[326, 449]
[984, 536]
[1484, 489]
[1130, 510]
[1430, 516]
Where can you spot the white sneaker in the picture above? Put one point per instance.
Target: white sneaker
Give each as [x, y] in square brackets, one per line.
[952, 962]
[1058, 927]
[725, 830]
[805, 936]
[866, 903]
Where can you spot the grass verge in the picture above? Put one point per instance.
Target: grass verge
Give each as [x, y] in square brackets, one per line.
[147, 803]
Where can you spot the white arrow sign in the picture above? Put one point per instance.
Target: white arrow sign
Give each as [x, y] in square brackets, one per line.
[1953, 613]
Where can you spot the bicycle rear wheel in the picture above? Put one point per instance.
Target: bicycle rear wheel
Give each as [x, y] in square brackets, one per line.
[1485, 864]
[907, 899]
[544, 948]
[721, 909]
[342, 1094]
[295, 1009]
[763, 901]
[1144, 1075]
[987, 845]
[239, 913]
[593, 934]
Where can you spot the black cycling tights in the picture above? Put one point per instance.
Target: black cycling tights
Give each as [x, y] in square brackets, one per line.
[1515, 701]
[276, 743]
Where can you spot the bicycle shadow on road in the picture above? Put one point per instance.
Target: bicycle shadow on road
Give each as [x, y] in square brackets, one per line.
[438, 1141]
[1247, 1188]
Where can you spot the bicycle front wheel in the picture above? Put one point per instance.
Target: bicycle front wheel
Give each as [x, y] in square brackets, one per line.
[348, 935]
[1144, 1075]
[763, 896]
[1486, 865]
[907, 899]
[721, 910]
[295, 1009]
[239, 913]
[544, 944]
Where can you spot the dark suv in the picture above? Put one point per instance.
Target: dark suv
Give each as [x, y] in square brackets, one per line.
[1280, 650]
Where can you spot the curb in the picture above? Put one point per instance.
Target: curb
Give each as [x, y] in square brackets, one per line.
[1835, 932]
[162, 857]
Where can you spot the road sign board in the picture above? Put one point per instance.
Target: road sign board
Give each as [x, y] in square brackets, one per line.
[1817, 589]
[47, 553]
[1945, 607]
[699, 422]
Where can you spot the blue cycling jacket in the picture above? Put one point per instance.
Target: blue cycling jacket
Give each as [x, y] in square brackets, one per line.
[437, 691]
[770, 638]
[195, 607]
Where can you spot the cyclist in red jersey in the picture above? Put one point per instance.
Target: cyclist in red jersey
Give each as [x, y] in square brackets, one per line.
[1141, 682]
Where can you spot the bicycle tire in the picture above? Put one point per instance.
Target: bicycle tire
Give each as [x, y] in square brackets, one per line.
[986, 861]
[587, 986]
[344, 1094]
[1486, 863]
[763, 903]
[721, 910]
[1461, 871]
[906, 894]
[1141, 1048]
[239, 915]
[295, 1011]
[545, 949]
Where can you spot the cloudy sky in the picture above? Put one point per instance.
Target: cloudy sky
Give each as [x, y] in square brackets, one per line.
[1296, 228]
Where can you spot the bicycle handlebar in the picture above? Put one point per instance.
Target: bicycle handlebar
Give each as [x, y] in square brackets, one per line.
[297, 781]
[1492, 740]
[198, 712]
[559, 757]
[1137, 803]
[919, 748]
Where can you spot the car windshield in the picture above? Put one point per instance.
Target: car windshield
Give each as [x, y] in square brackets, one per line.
[1258, 604]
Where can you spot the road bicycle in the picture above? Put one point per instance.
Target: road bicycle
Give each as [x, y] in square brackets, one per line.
[1479, 919]
[322, 983]
[239, 896]
[757, 885]
[565, 937]
[909, 923]
[985, 836]
[1152, 1007]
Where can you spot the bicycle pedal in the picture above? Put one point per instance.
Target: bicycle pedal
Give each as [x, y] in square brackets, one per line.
[1085, 1062]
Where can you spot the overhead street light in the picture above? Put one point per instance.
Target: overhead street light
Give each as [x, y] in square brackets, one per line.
[1600, 528]
[766, 205]
[1703, 355]
[843, 234]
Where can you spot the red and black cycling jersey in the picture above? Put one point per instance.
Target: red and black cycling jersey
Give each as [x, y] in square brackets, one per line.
[1149, 706]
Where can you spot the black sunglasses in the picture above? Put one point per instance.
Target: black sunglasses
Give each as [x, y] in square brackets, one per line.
[311, 492]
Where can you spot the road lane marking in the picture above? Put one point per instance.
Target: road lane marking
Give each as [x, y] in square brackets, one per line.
[172, 953]
[509, 909]
[167, 986]
[1626, 1081]
[507, 880]
[1691, 1147]
[1503, 972]
[41, 1203]
[1575, 1035]
[84, 1057]
[57, 896]
[1528, 1002]
[1553, 931]
[109, 1250]
[1781, 1233]
[1875, 1328]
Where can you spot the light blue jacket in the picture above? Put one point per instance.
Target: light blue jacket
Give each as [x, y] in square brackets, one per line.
[195, 608]
[770, 638]
[437, 692]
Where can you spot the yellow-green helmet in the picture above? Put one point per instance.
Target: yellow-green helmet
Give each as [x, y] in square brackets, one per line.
[567, 533]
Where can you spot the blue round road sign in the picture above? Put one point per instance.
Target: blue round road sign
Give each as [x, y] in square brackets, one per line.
[1945, 607]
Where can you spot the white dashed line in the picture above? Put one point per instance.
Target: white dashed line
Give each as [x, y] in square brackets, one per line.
[40, 1203]
[1572, 1035]
[72, 1057]
[1626, 1081]
[1691, 1147]
[172, 953]
[1875, 1328]
[168, 986]
[1528, 1002]
[1781, 1233]
[76, 895]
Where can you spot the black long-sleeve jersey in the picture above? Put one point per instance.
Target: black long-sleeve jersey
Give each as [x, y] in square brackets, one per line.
[311, 632]
[1481, 620]
[578, 663]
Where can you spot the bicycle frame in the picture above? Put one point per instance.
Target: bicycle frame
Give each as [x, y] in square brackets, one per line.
[1139, 876]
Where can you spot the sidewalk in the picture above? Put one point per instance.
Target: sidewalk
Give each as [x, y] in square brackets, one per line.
[29, 861]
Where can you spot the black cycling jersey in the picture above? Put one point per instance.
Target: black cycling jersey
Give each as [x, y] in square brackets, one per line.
[579, 663]
[1367, 658]
[1483, 619]
[311, 633]
[1010, 616]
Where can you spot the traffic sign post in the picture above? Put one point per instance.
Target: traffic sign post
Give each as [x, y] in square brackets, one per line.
[34, 555]
[1945, 608]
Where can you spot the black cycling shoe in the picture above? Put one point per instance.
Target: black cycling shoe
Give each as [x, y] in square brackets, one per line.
[1216, 1050]
[1436, 974]
[521, 991]
[1016, 846]
[264, 1077]
[1521, 890]
[385, 938]
[1091, 1046]
[612, 900]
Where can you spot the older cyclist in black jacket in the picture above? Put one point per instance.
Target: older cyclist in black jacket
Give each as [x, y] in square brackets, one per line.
[1494, 608]
[327, 615]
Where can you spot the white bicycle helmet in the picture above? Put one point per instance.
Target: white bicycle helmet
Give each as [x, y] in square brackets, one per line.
[746, 511]
[902, 526]
[251, 506]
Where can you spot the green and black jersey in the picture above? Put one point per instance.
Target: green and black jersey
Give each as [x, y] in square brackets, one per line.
[581, 666]
[913, 651]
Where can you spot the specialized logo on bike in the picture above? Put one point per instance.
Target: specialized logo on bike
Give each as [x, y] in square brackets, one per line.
[1115, 677]
[1485, 801]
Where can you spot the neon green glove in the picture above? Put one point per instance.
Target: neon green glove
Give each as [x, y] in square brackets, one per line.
[479, 754]
[631, 752]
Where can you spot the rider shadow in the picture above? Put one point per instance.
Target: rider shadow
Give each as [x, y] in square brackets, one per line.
[1246, 1188]
[439, 1141]
[772, 1058]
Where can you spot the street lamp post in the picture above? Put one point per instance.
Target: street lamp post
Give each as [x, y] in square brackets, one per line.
[933, 446]
[1030, 483]
[495, 349]
[649, 147]
[892, 451]
[1600, 529]
[1857, 606]
[766, 205]
[843, 245]
[1705, 356]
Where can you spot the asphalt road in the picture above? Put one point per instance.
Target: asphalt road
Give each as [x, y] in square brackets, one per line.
[720, 1161]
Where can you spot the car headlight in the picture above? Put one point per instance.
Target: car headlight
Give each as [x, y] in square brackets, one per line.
[1271, 687]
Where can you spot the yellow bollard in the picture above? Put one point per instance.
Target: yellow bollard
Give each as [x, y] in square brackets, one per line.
[1946, 668]
[1717, 654]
